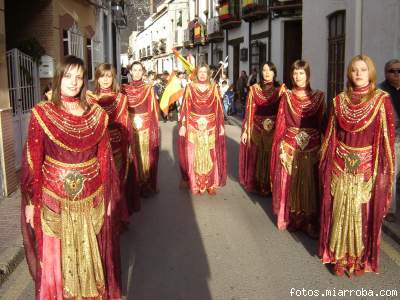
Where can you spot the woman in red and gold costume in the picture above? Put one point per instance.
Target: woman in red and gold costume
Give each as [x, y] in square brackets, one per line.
[258, 131]
[357, 169]
[69, 204]
[202, 149]
[145, 142]
[107, 95]
[295, 152]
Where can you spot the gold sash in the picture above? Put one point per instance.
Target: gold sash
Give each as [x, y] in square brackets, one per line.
[77, 226]
[349, 189]
[203, 142]
[142, 151]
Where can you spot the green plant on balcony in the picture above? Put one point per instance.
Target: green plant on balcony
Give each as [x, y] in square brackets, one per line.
[229, 13]
[163, 46]
[254, 9]
[32, 48]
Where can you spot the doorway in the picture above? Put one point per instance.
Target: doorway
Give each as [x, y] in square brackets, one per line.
[292, 47]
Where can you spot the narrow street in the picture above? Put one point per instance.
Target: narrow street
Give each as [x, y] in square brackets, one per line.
[183, 247]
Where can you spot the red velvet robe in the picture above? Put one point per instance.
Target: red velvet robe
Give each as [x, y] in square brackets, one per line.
[116, 106]
[68, 159]
[259, 125]
[364, 130]
[294, 160]
[145, 141]
[202, 150]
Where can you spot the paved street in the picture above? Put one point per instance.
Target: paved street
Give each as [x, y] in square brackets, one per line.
[183, 247]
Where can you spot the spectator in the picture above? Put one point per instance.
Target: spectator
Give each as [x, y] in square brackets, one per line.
[159, 88]
[253, 77]
[223, 87]
[124, 75]
[151, 76]
[228, 100]
[224, 77]
[47, 93]
[241, 89]
[184, 82]
[392, 86]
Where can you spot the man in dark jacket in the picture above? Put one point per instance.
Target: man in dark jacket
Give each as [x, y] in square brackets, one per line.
[241, 89]
[392, 86]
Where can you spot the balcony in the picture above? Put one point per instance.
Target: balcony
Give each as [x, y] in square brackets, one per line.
[229, 14]
[188, 37]
[214, 31]
[253, 10]
[142, 54]
[179, 38]
[199, 34]
[162, 46]
[286, 8]
[149, 53]
[154, 46]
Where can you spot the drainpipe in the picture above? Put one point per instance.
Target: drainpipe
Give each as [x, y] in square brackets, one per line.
[249, 58]
[226, 42]
[358, 40]
[269, 29]
[212, 53]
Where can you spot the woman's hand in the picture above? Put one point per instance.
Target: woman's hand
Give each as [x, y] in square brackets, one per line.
[244, 138]
[182, 131]
[109, 209]
[29, 212]
[222, 131]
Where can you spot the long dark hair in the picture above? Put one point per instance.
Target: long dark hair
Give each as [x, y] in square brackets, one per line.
[68, 63]
[100, 71]
[272, 67]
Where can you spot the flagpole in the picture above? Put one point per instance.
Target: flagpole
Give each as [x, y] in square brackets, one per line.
[220, 68]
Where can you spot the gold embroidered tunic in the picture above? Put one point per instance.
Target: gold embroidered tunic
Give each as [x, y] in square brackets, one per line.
[64, 167]
[357, 173]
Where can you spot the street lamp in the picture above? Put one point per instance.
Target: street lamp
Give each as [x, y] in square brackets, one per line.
[117, 8]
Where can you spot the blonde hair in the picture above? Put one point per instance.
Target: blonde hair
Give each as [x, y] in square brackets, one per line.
[371, 74]
[204, 65]
[100, 71]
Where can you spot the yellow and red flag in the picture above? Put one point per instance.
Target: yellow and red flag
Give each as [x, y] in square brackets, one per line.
[173, 91]
[189, 68]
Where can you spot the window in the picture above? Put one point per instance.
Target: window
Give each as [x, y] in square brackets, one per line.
[336, 49]
[89, 59]
[258, 54]
[65, 42]
[73, 42]
[97, 54]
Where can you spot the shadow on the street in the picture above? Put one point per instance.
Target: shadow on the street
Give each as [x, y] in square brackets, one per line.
[264, 202]
[232, 159]
[163, 255]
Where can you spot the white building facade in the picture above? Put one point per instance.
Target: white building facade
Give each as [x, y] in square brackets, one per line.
[250, 32]
[106, 44]
[343, 29]
[163, 31]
